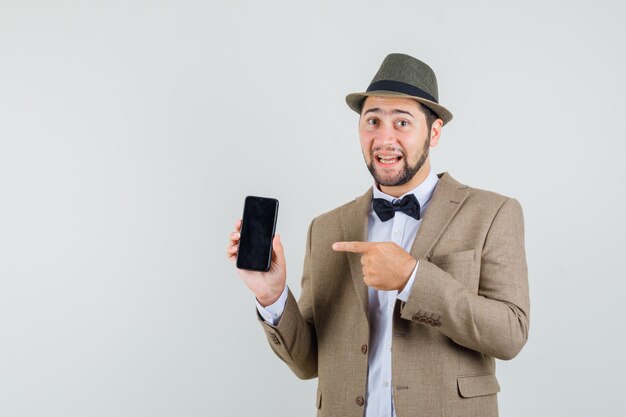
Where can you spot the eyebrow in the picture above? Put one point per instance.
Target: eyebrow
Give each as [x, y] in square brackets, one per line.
[394, 111]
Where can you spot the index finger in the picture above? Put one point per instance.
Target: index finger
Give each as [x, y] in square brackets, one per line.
[354, 247]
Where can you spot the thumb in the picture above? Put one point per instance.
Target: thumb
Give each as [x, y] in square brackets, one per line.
[277, 246]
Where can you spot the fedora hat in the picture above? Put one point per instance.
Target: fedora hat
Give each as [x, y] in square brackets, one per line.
[402, 75]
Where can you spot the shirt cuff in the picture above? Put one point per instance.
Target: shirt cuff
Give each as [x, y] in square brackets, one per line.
[404, 294]
[273, 312]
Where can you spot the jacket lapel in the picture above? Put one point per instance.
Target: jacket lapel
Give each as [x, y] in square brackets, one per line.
[446, 201]
[354, 224]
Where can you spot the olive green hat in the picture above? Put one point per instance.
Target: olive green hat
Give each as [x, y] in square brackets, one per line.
[402, 75]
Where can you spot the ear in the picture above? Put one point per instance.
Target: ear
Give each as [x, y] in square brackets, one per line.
[435, 132]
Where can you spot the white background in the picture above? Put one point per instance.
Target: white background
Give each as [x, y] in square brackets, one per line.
[131, 131]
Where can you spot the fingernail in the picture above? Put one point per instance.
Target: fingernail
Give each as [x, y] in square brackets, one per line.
[335, 246]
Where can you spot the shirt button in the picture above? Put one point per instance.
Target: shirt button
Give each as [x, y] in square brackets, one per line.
[386, 384]
[397, 232]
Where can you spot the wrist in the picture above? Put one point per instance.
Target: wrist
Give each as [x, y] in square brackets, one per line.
[407, 276]
[269, 298]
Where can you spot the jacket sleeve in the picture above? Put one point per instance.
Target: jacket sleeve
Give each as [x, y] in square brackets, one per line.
[293, 338]
[494, 321]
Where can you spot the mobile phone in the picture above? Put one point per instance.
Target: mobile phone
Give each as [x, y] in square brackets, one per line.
[257, 232]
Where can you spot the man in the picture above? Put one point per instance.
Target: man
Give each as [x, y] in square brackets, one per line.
[410, 291]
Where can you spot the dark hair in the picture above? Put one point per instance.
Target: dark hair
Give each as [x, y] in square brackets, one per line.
[431, 116]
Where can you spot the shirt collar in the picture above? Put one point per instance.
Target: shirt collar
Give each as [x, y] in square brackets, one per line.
[423, 192]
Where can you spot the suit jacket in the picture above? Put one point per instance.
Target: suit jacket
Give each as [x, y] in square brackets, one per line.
[468, 305]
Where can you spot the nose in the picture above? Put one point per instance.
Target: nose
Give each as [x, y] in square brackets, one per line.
[385, 136]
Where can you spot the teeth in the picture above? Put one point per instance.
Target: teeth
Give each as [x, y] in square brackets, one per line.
[387, 159]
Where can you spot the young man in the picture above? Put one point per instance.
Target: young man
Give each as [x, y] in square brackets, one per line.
[410, 291]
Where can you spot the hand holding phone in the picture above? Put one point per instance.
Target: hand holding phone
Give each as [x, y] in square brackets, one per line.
[266, 285]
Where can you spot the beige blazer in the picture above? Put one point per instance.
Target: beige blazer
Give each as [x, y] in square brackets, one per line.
[468, 305]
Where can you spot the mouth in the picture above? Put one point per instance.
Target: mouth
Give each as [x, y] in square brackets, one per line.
[387, 161]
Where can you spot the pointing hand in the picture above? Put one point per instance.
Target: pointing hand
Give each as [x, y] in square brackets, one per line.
[386, 266]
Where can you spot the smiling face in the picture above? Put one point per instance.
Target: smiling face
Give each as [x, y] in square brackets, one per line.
[395, 140]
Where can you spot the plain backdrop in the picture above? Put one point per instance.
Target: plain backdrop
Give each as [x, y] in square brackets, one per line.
[130, 132]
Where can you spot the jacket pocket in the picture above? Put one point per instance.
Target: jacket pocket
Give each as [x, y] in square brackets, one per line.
[478, 385]
[463, 256]
[462, 267]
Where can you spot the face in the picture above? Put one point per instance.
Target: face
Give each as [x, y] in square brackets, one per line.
[395, 139]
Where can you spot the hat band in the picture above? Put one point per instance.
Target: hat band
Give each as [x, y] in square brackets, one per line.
[400, 87]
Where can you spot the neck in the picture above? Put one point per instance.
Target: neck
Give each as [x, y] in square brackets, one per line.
[398, 190]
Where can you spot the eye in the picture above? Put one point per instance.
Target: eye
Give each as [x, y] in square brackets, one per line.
[372, 122]
[402, 123]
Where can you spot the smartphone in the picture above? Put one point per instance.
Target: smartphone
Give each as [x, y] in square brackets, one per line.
[257, 232]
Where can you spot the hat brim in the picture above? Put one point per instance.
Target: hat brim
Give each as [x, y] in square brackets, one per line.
[355, 102]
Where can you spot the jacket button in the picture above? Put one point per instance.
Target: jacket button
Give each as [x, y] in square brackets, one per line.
[360, 401]
[364, 349]
[415, 317]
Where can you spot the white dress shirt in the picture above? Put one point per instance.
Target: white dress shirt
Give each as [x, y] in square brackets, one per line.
[401, 229]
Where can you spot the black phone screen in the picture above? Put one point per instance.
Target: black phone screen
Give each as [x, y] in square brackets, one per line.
[257, 232]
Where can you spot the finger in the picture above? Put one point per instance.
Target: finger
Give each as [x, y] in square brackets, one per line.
[279, 250]
[367, 280]
[238, 225]
[234, 237]
[354, 247]
[232, 251]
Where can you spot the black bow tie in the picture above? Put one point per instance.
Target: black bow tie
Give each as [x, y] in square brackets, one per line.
[386, 210]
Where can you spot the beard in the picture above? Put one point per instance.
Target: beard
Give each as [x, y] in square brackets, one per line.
[407, 172]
